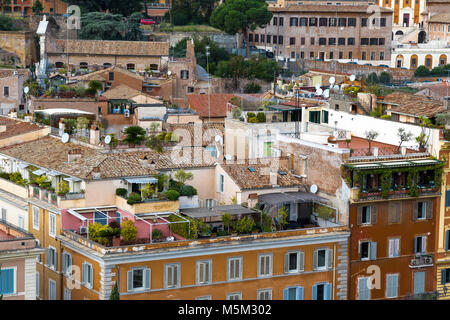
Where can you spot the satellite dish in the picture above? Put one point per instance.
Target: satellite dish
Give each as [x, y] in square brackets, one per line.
[228, 157]
[317, 86]
[319, 92]
[108, 139]
[169, 73]
[26, 90]
[218, 139]
[65, 138]
[326, 93]
[332, 80]
[313, 189]
[352, 77]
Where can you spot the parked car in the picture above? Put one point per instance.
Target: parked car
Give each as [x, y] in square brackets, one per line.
[148, 21]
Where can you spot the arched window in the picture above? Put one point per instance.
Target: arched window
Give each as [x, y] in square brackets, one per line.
[130, 66]
[429, 61]
[442, 60]
[107, 65]
[59, 64]
[399, 33]
[399, 61]
[414, 61]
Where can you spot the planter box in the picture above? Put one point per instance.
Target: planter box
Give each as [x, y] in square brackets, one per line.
[188, 202]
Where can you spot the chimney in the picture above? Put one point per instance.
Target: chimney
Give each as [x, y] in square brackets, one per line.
[94, 135]
[403, 150]
[74, 154]
[375, 151]
[61, 126]
[144, 162]
[274, 179]
[152, 165]
[96, 173]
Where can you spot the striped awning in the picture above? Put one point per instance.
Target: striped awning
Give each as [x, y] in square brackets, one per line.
[141, 180]
[72, 179]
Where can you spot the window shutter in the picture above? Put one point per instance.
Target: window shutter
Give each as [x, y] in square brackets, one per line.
[374, 214]
[147, 276]
[176, 275]
[130, 280]
[415, 213]
[373, 251]
[48, 256]
[64, 262]
[286, 294]
[327, 291]
[299, 293]
[315, 260]
[286, 263]
[84, 273]
[314, 292]
[329, 258]
[359, 215]
[443, 280]
[430, 209]
[447, 198]
[447, 239]
[398, 210]
[301, 261]
[55, 259]
[415, 244]
[424, 244]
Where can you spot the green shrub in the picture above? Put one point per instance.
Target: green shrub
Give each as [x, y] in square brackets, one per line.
[121, 192]
[267, 222]
[63, 188]
[175, 185]
[172, 195]
[134, 198]
[421, 71]
[4, 175]
[188, 191]
[245, 225]
[100, 233]
[261, 117]
[129, 231]
[168, 136]
[252, 88]
[386, 117]
[204, 228]
[226, 219]
[157, 234]
[182, 229]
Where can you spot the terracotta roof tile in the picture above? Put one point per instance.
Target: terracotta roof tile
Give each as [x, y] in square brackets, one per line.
[414, 105]
[16, 127]
[200, 103]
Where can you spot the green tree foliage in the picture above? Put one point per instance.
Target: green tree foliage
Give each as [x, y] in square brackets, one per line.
[154, 143]
[216, 53]
[422, 71]
[4, 4]
[6, 23]
[179, 50]
[115, 295]
[183, 176]
[245, 225]
[62, 188]
[191, 12]
[37, 7]
[234, 16]
[70, 125]
[134, 135]
[372, 78]
[128, 231]
[252, 88]
[115, 6]
[385, 77]
[282, 216]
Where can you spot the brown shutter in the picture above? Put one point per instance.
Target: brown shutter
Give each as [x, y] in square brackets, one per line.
[359, 215]
[398, 210]
[430, 209]
[415, 213]
[391, 213]
[374, 214]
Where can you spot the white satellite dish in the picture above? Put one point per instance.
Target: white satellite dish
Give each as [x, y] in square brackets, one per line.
[317, 86]
[228, 157]
[319, 92]
[326, 93]
[218, 139]
[169, 73]
[65, 138]
[352, 77]
[332, 80]
[313, 189]
[108, 139]
[26, 90]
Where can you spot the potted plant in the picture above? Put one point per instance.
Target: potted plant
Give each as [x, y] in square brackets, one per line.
[157, 235]
[129, 231]
[115, 226]
[63, 188]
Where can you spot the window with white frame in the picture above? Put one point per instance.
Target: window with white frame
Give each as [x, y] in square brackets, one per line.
[3, 216]
[36, 218]
[88, 275]
[264, 265]
[234, 296]
[235, 268]
[265, 294]
[52, 225]
[322, 259]
[394, 247]
[204, 298]
[51, 257]
[172, 275]
[67, 263]
[21, 222]
[38, 287]
[138, 279]
[421, 210]
[220, 183]
[204, 272]
[368, 250]
[293, 293]
[8, 281]
[293, 262]
[51, 289]
[365, 218]
[391, 285]
[420, 244]
[363, 288]
[67, 294]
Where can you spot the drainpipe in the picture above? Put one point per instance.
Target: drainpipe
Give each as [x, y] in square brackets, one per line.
[334, 270]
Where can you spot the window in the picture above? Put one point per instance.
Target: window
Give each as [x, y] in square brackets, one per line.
[293, 293]
[234, 296]
[250, 37]
[363, 55]
[428, 62]
[419, 282]
[38, 244]
[67, 264]
[280, 39]
[314, 116]
[6, 91]
[394, 247]
[383, 22]
[269, 38]
[363, 22]
[445, 276]
[394, 212]
[256, 37]
[447, 240]
[281, 21]
[373, 41]
[265, 294]
[184, 74]
[172, 275]
[51, 290]
[7, 281]
[342, 22]
[67, 294]
[368, 250]
[293, 22]
[275, 21]
[138, 279]
[372, 55]
[364, 41]
[363, 288]
[292, 41]
[381, 55]
[365, 218]
[275, 39]
[88, 275]
[302, 55]
[332, 22]
[264, 265]
[330, 55]
[302, 41]
[322, 259]
[203, 298]
[421, 210]
[312, 41]
[420, 244]
[294, 262]
[375, 22]
[51, 257]
[204, 272]
[234, 269]
[341, 41]
[381, 41]
[391, 285]
[52, 225]
[351, 41]
[321, 291]
[311, 55]
[111, 76]
[38, 286]
[352, 22]
[3, 216]
[220, 183]
[324, 112]
[323, 22]
[313, 22]
[36, 218]
[331, 41]
[341, 56]
[322, 41]
[262, 38]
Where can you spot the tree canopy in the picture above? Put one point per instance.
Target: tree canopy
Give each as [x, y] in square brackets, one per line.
[37, 7]
[6, 23]
[191, 11]
[114, 6]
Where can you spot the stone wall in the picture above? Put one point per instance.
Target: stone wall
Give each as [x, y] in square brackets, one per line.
[22, 44]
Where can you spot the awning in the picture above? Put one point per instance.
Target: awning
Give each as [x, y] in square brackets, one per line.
[40, 172]
[22, 165]
[72, 179]
[53, 173]
[274, 199]
[142, 180]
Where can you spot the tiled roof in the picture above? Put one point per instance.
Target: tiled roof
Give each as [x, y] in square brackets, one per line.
[125, 92]
[16, 127]
[260, 179]
[200, 103]
[440, 90]
[103, 47]
[414, 105]
[4, 73]
[199, 134]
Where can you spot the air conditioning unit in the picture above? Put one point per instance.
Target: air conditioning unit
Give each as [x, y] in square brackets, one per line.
[83, 230]
[428, 260]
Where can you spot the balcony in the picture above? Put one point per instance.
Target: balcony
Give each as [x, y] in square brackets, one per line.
[148, 206]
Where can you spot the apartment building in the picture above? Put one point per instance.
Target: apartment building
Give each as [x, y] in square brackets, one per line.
[326, 32]
[439, 27]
